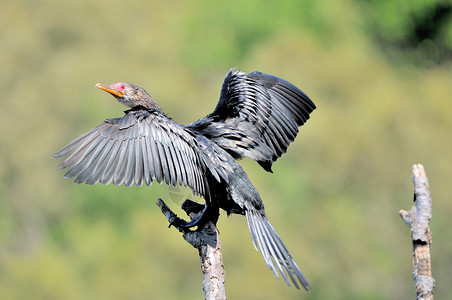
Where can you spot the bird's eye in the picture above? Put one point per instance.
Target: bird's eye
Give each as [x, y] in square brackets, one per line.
[122, 87]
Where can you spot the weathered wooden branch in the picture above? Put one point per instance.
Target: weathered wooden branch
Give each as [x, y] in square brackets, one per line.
[418, 219]
[206, 241]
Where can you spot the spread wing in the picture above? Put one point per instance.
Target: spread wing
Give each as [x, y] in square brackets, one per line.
[257, 116]
[142, 146]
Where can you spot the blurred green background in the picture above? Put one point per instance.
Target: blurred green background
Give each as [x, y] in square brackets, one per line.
[378, 71]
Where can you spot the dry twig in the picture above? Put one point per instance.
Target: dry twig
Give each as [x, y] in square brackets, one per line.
[206, 241]
[418, 219]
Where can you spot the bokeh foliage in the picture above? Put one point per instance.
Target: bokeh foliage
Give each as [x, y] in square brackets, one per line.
[333, 198]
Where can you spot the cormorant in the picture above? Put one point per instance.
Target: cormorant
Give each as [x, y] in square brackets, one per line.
[257, 116]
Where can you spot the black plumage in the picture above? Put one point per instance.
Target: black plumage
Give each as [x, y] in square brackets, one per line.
[257, 116]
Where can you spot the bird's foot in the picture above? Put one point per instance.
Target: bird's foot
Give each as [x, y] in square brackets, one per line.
[194, 210]
[192, 207]
[196, 221]
[199, 214]
[180, 224]
[172, 218]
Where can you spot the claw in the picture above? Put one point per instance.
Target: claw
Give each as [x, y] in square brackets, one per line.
[177, 222]
[200, 214]
[195, 222]
[208, 214]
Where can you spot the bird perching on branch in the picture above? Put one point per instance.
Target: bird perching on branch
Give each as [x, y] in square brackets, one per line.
[257, 116]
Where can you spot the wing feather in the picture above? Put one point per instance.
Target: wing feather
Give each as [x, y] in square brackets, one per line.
[142, 146]
[139, 162]
[101, 163]
[156, 159]
[260, 114]
[121, 163]
[130, 167]
[90, 160]
[147, 176]
[77, 142]
[111, 164]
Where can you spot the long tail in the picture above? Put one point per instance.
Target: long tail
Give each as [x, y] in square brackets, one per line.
[275, 254]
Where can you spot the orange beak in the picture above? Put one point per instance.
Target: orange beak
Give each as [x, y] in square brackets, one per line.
[108, 89]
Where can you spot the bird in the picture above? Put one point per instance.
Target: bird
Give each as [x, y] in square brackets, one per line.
[258, 116]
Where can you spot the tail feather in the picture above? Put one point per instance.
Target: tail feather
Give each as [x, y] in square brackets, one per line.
[276, 248]
[263, 239]
[275, 254]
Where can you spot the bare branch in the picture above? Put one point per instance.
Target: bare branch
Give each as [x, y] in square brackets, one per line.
[206, 241]
[418, 219]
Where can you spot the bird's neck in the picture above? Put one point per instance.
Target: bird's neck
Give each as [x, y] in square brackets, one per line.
[151, 104]
[144, 103]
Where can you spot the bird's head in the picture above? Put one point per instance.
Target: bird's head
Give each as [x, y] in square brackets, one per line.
[130, 95]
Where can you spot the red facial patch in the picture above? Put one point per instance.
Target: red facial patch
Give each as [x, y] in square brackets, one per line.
[118, 86]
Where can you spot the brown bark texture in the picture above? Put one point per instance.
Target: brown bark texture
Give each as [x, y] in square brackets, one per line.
[418, 219]
[206, 241]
